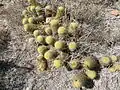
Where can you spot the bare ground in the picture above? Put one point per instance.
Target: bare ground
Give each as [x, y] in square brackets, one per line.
[17, 54]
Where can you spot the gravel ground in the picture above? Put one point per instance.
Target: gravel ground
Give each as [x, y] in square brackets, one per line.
[18, 54]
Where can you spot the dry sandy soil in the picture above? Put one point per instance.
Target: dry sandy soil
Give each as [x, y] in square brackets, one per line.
[18, 55]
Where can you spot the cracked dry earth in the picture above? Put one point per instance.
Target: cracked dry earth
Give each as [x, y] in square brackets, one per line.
[17, 58]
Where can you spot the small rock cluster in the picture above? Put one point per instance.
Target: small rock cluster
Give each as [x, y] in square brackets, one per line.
[47, 26]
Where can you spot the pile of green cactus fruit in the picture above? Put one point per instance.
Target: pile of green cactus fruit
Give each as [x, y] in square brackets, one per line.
[47, 26]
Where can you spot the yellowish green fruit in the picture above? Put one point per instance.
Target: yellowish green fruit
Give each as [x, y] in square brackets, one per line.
[39, 10]
[91, 74]
[90, 63]
[41, 65]
[60, 12]
[62, 30]
[30, 27]
[79, 80]
[24, 20]
[32, 9]
[48, 31]
[25, 13]
[36, 33]
[42, 49]
[114, 58]
[40, 57]
[112, 69]
[72, 46]
[59, 45]
[50, 54]
[74, 64]
[48, 10]
[57, 63]
[105, 61]
[31, 20]
[54, 24]
[73, 27]
[32, 2]
[40, 39]
[49, 40]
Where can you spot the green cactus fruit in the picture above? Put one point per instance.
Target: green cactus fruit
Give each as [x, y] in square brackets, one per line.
[105, 61]
[54, 24]
[50, 54]
[48, 11]
[32, 9]
[40, 39]
[40, 18]
[31, 20]
[59, 45]
[49, 40]
[62, 30]
[74, 64]
[112, 69]
[32, 2]
[41, 65]
[73, 27]
[48, 31]
[25, 13]
[91, 74]
[36, 33]
[42, 49]
[39, 10]
[30, 27]
[24, 20]
[60, 12]
[28, 9]
[90, 63]
[114, 58]
[40, 57]
[72, 46]
[79, 80]
[57, 63]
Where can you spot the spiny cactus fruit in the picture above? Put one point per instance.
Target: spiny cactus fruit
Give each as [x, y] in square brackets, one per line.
[25, 13]
[36, 33]
[48, 11]
[50, 54]
[40, 57]
[30, 27]
[32, 2]
[41, 65]
[114, 68]
[90, 63]
[32, 9]
[79, 80]
[48, 31]
[91, 74]
[72, 46]
[114, 58]
[73, 27]
[105, 61]
[31, 20]
[42, 49]
[25, 20]
[54, 24]
[40, 39]
[57, 63]
[62, 30]
[74, 64]
[59, 45]
[60, 12]
[50, 40]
